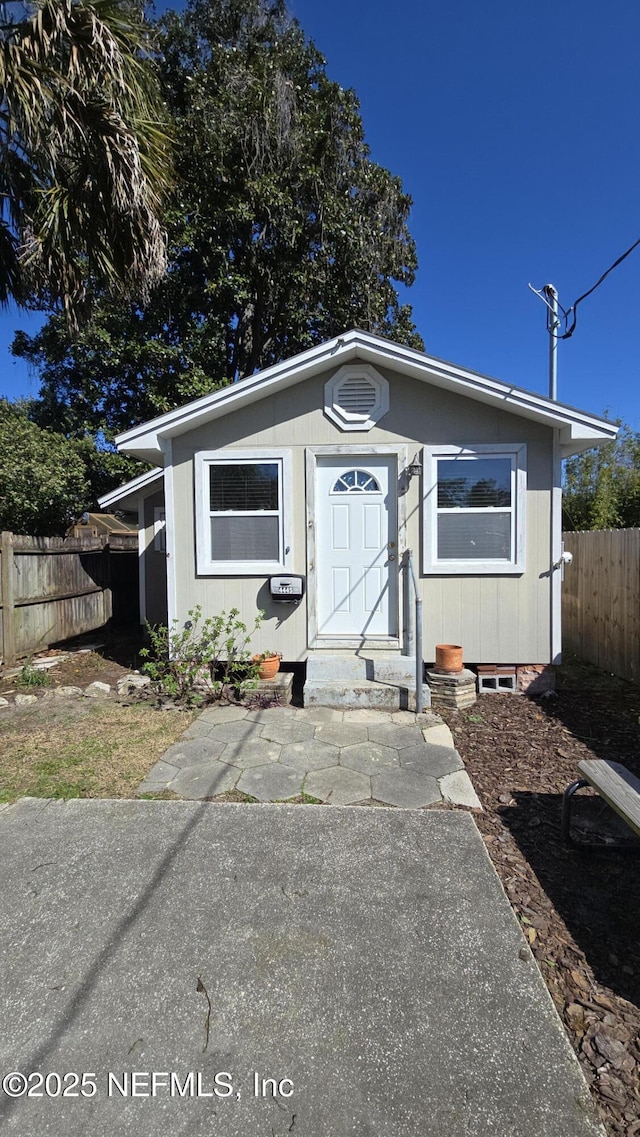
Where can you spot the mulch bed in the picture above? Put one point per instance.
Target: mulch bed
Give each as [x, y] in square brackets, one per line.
[579, 909]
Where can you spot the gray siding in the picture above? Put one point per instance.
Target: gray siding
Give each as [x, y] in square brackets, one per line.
[502, 619]
[155, 565]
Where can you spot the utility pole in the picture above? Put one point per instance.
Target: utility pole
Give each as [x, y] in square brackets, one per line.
[553, 324]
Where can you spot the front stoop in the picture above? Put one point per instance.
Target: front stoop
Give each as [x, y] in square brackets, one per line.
[375, 681]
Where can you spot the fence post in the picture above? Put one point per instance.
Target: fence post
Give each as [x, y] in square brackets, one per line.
[8, 598]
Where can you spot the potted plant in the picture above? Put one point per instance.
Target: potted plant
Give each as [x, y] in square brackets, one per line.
[268, 663]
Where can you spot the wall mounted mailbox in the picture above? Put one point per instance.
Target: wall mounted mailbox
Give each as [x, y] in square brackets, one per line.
[286, 589]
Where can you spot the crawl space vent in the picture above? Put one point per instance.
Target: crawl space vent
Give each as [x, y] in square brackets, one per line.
[356, 397]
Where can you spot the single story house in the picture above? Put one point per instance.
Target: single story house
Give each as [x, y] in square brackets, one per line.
[301, 489]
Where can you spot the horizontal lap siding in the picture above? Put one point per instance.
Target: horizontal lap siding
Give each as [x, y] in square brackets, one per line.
[497, 619]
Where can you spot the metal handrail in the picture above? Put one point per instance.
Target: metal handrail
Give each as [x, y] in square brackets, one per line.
[408, 557]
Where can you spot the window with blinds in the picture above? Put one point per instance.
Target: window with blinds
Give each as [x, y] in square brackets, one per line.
[474, 508]
[241, 522]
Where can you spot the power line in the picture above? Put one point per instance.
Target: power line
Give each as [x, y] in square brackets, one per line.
[570, 314]
[569, 332]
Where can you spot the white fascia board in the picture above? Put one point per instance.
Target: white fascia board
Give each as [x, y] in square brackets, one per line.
[578, 437]
[483, 388]
[146, 437]
[584, 429]
[131, 489]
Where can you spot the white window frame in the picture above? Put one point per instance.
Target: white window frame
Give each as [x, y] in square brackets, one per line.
[517, 453]
[203, 460]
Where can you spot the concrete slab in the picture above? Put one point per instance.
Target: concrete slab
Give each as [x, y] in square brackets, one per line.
[438, 735]
[271, 783]
[368, 757]
[191, 752]
[219, 713]
[369, 957]
[436, 761]
[289, 731]
[271, 715]
[318, 715]
[390, 734]
[158, 778]
[251, 752]
[236, 731]
[198, 782]
[364, 715]
[309, 755]
[457, 789]
[198, 729]
[341, 734]
[351, 696]
[405, 789]
[338, 786]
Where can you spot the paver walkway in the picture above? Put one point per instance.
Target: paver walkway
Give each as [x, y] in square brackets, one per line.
[337, 757]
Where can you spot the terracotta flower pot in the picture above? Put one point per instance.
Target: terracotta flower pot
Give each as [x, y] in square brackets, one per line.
[267, 667]
[449, 658]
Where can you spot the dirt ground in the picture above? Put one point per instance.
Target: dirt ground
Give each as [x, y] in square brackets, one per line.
[580, 909]
[111, 660]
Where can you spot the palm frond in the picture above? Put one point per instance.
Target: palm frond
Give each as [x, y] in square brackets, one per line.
[87, 153]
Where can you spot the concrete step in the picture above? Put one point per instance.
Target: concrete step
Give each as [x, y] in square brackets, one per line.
[377, 668]
[365, 693]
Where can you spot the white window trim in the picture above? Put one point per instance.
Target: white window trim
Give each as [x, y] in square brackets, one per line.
[204, 564]
[517, 452]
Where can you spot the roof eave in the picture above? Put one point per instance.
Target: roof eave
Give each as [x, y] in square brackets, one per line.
[579, 430]
[131, 490]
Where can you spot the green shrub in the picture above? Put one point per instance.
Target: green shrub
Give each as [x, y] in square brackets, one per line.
[217, 646]
[31, 676]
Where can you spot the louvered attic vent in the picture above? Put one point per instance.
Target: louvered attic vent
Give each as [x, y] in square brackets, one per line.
[356, 397]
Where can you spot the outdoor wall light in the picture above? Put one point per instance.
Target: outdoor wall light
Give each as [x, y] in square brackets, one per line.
[414, 469]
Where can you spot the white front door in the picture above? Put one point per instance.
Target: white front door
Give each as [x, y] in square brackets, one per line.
[356, 546]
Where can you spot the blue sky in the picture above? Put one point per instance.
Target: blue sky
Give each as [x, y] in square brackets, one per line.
[515, 128]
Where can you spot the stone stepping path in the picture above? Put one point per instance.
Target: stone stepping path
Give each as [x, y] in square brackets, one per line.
[338, 757]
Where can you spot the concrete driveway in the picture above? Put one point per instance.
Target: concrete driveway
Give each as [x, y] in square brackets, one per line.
[327, 971]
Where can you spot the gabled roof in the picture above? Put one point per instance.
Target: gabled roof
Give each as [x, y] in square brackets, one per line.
[131, 490]
[578, 430]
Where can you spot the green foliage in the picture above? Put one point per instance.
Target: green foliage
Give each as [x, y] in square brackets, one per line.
[30, 677]
[217, 646]
[43, 479]
[602, 486]
[282, 231]
[84, 161]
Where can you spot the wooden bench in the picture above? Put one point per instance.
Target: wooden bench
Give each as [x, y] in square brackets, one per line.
[616, 785]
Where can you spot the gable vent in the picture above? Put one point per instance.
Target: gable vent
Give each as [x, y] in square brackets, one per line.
[356, 397]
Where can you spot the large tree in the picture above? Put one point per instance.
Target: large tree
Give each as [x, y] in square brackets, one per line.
[43, 478]
[602, 486]
[282, 230]
[84, 159]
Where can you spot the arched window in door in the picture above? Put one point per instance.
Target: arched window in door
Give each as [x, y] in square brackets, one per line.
[356, 481]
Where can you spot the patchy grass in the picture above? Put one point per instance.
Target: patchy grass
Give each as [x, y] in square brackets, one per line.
[30, 677]
[83, 749]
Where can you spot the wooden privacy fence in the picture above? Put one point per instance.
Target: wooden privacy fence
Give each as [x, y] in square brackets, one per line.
[601, 599]
[54, 588]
